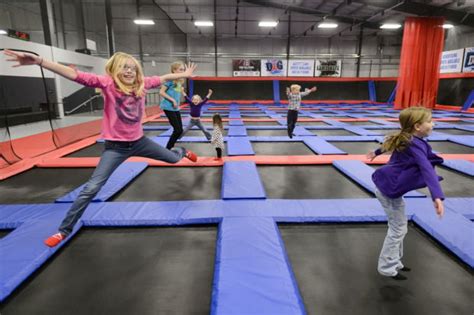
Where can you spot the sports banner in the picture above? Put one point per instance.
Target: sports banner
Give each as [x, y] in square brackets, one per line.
[245, 67]
[328, 68]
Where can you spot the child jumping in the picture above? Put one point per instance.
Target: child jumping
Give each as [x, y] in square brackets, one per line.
[410, 167]
[294, 103]
[123, 88]
[195, 105]
[217, 139]
[171, 93]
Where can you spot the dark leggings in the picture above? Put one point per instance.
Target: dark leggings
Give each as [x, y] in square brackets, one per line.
[219, 152]
[292, 117]
[174, 117]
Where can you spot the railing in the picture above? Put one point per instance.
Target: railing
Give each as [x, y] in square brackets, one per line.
[85, 103]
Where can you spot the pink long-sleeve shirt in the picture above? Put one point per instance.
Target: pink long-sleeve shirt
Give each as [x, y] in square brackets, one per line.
[123, 113]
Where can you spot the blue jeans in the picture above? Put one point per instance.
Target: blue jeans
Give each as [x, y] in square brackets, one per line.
[196, 122]
[114, 154]
[390, 259]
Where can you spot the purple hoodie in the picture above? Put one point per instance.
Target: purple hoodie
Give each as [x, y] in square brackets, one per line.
[195, 110]
[410, 169]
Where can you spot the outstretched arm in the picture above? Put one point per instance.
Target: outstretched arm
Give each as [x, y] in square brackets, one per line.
[188, 73]
[209, 94]
[25, 59]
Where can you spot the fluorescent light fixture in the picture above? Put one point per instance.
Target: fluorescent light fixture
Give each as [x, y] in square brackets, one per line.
[3, 32]
[204, 23]
[267, 23]
[144, 22]
[327, 25]
[390, 26]
[448, 26]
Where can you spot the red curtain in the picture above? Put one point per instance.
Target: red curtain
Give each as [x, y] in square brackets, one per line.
[423, 39]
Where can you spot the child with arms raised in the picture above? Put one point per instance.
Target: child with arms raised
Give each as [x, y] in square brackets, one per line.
[123, 88]
[195, 105]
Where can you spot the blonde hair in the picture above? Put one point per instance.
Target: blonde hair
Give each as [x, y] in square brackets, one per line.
[198, 97]
[295, 88]
[175, 66]
[217, 121]
[408, 118]
[116, 64]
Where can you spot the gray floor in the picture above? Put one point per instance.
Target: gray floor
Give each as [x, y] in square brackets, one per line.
[454, 131]
[165, 270]
[42, 185]
[308, 182]
[281, 148]
[200, 148]
[332, 132]
[336, 270]
[360, 123]
[450, 147]
[261, 123]
[454, 184]
[360, 147]
[94, 150]
[174, 183]
[267, 132]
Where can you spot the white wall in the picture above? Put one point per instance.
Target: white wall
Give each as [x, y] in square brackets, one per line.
[64, 87]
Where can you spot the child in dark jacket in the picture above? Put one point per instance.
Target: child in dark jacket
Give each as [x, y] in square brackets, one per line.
[411, 166]
[195, 105]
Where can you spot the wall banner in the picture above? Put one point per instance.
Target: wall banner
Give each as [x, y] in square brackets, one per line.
[328, 68]
[274, 67]
[301, 68]
[245, 67]
[468, 64]
[451, 61]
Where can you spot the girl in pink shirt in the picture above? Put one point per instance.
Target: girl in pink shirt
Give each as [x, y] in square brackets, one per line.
[123, 88]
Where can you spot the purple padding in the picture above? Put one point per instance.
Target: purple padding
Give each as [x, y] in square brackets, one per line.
[151, 128]
[321, 146]
[362, 174]
[239, 146]
[464, 140]
[240, 180]
[167, 133]
[463, 166]
[454, 231]
[234, 114]
[361, 131]
[237, 131]
[236, 122]
[351, 138]
[22, 251]
[301, 131]
[252, 272]
[464, 206]
[160, 140]
[120, 178]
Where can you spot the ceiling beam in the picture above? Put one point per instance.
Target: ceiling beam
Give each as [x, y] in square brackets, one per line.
[422, 9]
[313, 12]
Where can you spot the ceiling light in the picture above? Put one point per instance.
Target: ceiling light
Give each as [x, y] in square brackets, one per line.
[327, 25]
[390, 26]
[267, 23]
[203, 23]
[3, 32]
[143, 22]
[447, 26]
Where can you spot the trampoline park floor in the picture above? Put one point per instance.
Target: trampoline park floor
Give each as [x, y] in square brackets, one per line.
[335, 268]
[141, 265]
[169, 268]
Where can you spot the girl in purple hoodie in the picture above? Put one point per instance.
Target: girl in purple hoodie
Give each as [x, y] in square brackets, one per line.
[410, 167]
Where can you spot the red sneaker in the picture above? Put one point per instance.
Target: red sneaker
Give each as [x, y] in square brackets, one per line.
[54, 240]
[191, 156]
